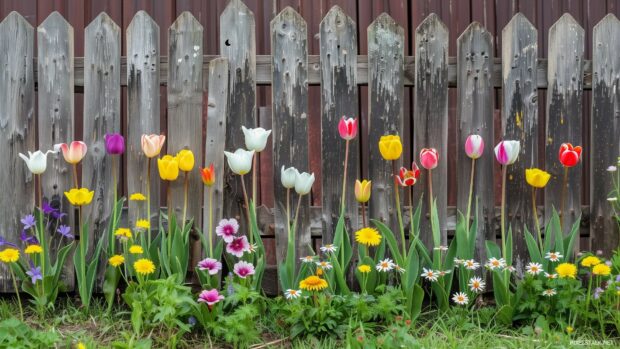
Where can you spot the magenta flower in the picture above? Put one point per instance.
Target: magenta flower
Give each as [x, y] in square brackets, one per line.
[210, 297]
[238, 246]
[210, 264]
[227, 228]
[243, 269]
[114, 143]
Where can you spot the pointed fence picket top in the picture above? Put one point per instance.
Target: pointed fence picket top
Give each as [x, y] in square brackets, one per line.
[520, 122]
[564, 108]
[475, 116]
[386, 50]
[17, 134]
[185, 110]
[604, 142]
[217, 115]
[430, 119]
[238, 44]
[56, 115]
[143, 69]
[102, 115]
[339, 97]
[289, 44]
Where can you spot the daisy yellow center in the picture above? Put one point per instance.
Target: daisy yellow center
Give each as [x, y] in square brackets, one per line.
[368, 237]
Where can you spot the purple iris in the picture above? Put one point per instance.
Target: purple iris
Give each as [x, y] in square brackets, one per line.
[597, 292]
[52, 211]
[28, 240]
[114, 143]
[35, 273]
[65, 231]
[28, 221]
[4, 242]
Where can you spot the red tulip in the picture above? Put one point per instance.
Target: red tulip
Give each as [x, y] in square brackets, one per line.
[429, 158]
[347, 128]
[569, 155]
[407, 178]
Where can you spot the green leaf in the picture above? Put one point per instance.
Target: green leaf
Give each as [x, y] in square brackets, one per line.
[532, 247]
[414, 301]
[110, 284]
[569, 241]
[136, 317]
[391, 241]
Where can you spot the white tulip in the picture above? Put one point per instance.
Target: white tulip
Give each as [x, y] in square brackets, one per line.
[507, 152]
[303, 183]
[288, 177]
[256, 138]
[240, 161]
[37, 161]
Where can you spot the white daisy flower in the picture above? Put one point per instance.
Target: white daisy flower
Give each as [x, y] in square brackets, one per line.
[329, 248]
[429, 274]
[292, 294]
[612, 199]
[385, 265]
[476, 284]
[470, 264]
[495, 263]
[510, 268]
[534, 268]
[253, 248]
[549, 292]
[441, 248]
[551, 276]
[460, 298]
[444, 272]
[553, 256]
[307, 259]
[458, 261]
[324, 264]
[399, 269]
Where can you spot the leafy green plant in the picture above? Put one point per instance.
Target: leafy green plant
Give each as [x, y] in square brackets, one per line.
[16, 334]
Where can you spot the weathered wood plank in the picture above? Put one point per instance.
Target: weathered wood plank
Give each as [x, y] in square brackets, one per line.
[339, 97]
[185, 108]
[238, 43]
[604, 140]
[289, 36]
[56, 112]
[16, 128]
[430, 118]
[520, 122]
[475, 115]
[217, 115]
[143, 69]
[564, 108]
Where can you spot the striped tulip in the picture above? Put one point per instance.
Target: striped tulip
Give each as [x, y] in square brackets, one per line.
[507, 152]
[474, 146]
[429, 158]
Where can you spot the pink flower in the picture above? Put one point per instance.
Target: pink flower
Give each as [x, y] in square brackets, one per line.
[429, 158]
[72, 153]
[210, 264]
[474, 146]
[227, 228]
[210, 297]
[243, 269]
[347, 128]
[407, 178]
[507, 152]
[238, 246]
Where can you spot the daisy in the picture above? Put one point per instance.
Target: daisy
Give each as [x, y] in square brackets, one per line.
[210, 264]
[292, 294]
[441, 248]
[534, 268]
[237, 246]
[551, 276]
[470, 264]
[553, 256]
[458, 261]
[510, 268]
[227, 229]
[253, 248]
[307, 259]
[243, 269]
[385, 265]
[495, 263]
[444, 272]
[549, 292]
[476, 284]
[429, 274]
[324, 264]
[460, 298]
[329, 248]
[399, 269]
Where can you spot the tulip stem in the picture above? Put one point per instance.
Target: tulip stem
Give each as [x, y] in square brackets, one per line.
[535, 211]
[254, 178]
[41, 230]
[411, 233]
[210, 221]
[471, 193]
[398, 213]
[247, 209]
[344, 177]
[111, 246]
[503, 210]
[148, 199]
[168, 203]
[563, 197]
[19, 301]
[75, 177]
[185, 188]
[296, 213]
[288, 213]
[364, 224]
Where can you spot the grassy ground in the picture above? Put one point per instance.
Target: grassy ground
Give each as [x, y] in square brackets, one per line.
[67, 325]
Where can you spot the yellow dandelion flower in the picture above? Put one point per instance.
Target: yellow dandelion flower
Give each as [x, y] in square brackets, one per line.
[364, 268]
[143, 224]
[137, 197]
[33, 249]
[116, 260]
[144, 266]
[601, 269]
[319, 271]
[590, 261]
[10, 255]
[81, 345]
[569, 329]
[123, 232]
[566, 270]
[313, 283]
[368, 237]
[136, 249]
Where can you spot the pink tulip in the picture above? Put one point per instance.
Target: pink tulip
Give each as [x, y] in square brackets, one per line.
[507, 152]
[429, 158]
[474, 146]
[347, 128]
[151, 144]
[74, 152]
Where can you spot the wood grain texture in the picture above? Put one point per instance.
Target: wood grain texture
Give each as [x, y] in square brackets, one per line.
[564, 106]
[520, 122]
[143, 108]
[475, 116]
[289, 36]
[16, 128]
[605, 143]
[185, 108]
[238, 44]
[430, 119]
[339, 97]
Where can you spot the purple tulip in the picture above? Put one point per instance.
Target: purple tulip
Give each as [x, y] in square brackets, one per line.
[114, 143]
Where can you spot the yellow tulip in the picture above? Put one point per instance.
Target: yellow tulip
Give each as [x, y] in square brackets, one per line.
[362, 190]
[168, 168]
[536, 177]
[80, 197]
[186, 160]
[390, 147]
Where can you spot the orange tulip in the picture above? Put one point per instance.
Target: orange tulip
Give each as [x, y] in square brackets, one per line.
[208, 175]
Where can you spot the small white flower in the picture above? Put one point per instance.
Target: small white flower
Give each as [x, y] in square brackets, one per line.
[458, 261]
[441, 248]
[553, 256]
[476, 284]
[429, 274]
[303, 183]
[329, 248]
[255, 138]
[612, 169]
[324, 264]
[534, 268]
[551, 276]
[460, 298]
[288, 176]
[470, 264]
[549, 292]
[612, 199]
[399, 269]
[495, 263]
[240, 162]
[444, 272]
[385, 265]
[253, 248]
[292, 294]
[510, 269]
[307, 259]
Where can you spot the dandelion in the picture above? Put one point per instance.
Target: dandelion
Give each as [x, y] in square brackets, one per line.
[292, 294]
[329, 248]
[212, 265]
[470, 264]
[549, 292]
[143, 224]
[116, 260]
[429, 274]
[10, 255]
[590, 261]
[368, 237]
[237, 246]
[123, 233]
[144, 266]
[137, 197]
[569, 329]
[460, 298]
[601, 269]
[476, 284]
[551, 276]
[81, 345]
[364, 268]
[319, 271]
[307, 259]
[553, 256]
[32, 249]
[385, 265]
[324, 264]
[243, 269]
[136, 249]
[534, 268]
[210, 297]
[227, 229]
[566, 270]
[495, 263]
[313, 283]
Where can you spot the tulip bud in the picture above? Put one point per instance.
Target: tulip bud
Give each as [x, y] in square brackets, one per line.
[114, 143]
[507, 152]
[168, 168]
[537, 178]
[37, 161]
[303, 183]
[186, 160]
[429, 158]
[240, 162]
[255, 138]
[208, 175]
[73, 153]
[362, 190]
[288, 177]
[390, 147]
[569, 155]
[152, 144]
[474, 146]
[347, 128]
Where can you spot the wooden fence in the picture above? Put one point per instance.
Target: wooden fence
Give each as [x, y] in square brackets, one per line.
[231, 80]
